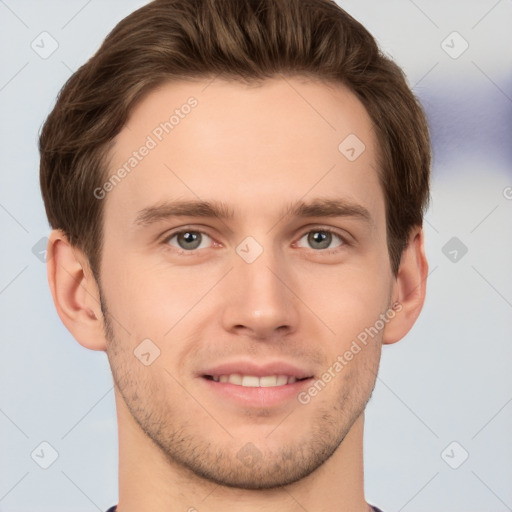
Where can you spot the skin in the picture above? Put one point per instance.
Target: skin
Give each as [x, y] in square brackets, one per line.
[257, 149]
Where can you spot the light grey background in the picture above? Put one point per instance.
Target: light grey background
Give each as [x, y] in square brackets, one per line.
[448, 381]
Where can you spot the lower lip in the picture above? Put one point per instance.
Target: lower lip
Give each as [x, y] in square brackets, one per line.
[257, 396]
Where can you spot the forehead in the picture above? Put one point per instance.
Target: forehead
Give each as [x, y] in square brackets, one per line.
[250, 146]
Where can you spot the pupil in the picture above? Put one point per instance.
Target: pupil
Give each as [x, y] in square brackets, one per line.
[189, 238]
[321, 237]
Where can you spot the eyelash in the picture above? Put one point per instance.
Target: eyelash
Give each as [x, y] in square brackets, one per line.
[192, 252]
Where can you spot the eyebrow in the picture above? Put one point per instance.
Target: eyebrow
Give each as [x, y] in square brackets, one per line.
[219, 209]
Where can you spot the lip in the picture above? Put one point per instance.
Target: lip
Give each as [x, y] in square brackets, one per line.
[245, 367]
[256, 397]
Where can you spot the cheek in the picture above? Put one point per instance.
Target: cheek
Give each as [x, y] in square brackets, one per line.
[149, 301]
[350, 301]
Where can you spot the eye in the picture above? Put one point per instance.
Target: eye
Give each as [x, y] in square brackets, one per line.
[188, 240]
[322, 238]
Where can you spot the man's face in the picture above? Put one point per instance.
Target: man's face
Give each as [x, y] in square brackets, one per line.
[265, 297]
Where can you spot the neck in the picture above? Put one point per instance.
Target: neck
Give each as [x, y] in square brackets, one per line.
[149, 481]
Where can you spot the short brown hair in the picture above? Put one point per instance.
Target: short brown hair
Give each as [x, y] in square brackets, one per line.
[246, 40]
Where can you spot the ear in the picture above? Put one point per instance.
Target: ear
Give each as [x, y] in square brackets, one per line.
[409, 288]
[75, 292]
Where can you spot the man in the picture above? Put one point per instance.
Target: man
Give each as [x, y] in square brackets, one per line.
[236, 190]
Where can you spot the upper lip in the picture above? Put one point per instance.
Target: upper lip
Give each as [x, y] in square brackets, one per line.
[258, 370]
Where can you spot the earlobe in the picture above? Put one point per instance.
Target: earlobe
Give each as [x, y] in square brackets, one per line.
[409, 289]
[75, 292]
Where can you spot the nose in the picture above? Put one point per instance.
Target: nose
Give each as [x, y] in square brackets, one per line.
[258, 298]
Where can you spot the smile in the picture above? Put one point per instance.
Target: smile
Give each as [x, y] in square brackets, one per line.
[253, 381]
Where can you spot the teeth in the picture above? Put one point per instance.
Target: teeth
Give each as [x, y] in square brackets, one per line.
[249, 381]
[282, 380]
[252, 381]
[268, 382]
[235, 378]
